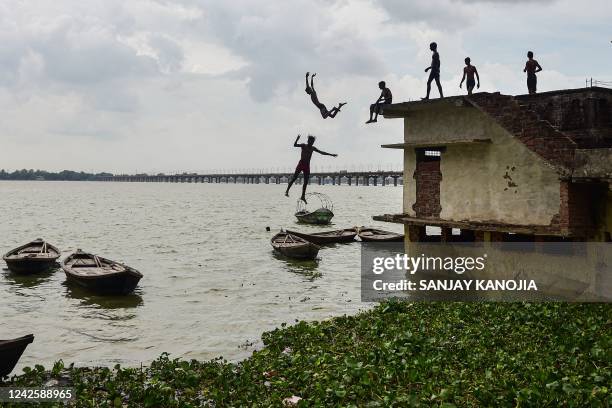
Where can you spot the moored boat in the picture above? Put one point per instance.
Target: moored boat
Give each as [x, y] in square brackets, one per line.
[293, 246]
[100, 275]
[11, 351]
[377, 235]
[327, 237]
[33, 257]
[320, 216]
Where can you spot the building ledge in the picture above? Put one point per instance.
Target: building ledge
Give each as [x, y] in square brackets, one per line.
[431, 143]
[471, 225]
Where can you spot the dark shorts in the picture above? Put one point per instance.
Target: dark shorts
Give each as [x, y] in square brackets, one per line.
[303, 167]
[378, 107]
[532, 82]
[434, 75]
[470, 83]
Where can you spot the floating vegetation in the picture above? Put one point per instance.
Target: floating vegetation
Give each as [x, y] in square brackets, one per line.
[397, 354]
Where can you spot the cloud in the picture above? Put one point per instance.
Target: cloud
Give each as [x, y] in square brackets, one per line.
[282, 40]
[195, 84]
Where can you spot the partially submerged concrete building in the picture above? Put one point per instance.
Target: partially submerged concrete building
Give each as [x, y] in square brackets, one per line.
[493, 167]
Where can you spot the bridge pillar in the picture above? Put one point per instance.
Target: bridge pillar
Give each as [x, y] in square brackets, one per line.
[375, 180]
[349, 180]
[384, 181]
[395, 181]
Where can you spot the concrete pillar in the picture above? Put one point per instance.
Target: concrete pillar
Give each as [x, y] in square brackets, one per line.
[494, 236]
[446, 234]
[375, 180]
[349, 180]
[395, 181]
[384, 181]
[414, 233]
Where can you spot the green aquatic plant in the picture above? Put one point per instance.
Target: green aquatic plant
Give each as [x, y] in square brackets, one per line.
[397, 354]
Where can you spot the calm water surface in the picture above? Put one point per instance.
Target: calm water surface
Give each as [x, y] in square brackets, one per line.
[211, 282]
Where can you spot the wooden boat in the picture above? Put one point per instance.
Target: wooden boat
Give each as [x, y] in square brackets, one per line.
[321, 216]
[33, 257]
[376, 235]
[99, 274]
[293, 246]
[11, 351]
[328, 237]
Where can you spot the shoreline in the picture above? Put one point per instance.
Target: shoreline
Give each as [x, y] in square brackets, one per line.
[462, 354]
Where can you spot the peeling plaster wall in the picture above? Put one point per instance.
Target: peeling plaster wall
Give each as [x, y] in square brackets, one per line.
[502, 181]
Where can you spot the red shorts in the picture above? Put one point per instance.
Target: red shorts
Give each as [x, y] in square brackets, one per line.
[305, 167]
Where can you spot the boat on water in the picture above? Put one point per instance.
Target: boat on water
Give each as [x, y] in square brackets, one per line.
[293, 246]
[11, 351]
[377, 235]
[320, 216]
[100, 275]
[328, 237]
[33, 257]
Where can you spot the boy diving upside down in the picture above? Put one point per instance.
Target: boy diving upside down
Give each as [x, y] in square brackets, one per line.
[304, 163]
[310, 90]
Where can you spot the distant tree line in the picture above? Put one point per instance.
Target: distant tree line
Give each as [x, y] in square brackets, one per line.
[64, 175]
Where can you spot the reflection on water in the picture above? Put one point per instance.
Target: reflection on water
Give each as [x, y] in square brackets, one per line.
[307, 268]
[28, 280]
[211, 280]
[87, 298]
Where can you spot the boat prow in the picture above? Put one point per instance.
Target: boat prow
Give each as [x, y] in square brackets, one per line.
[11, 351]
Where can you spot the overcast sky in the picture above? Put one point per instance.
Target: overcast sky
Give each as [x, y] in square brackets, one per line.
[197, 85]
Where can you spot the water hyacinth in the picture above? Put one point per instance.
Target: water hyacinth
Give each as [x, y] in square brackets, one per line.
[397, 354]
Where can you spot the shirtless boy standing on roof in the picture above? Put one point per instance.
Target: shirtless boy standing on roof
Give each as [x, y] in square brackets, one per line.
[532, 67]
[469, 70]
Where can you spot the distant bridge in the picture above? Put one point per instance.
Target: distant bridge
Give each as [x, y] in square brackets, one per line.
[357, 178]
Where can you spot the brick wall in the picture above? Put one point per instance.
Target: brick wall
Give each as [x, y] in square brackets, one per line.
[580, 210]
[428, 178]
[588, 108]
[524, 124]
[584, 115]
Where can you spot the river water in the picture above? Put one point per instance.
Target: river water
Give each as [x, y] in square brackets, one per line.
[211, 284]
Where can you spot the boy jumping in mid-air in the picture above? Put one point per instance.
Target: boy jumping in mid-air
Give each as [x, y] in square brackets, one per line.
[469, 71]
[304, 164]
[310, 90]
[435, 70]
[385, 98]
[531, 68]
